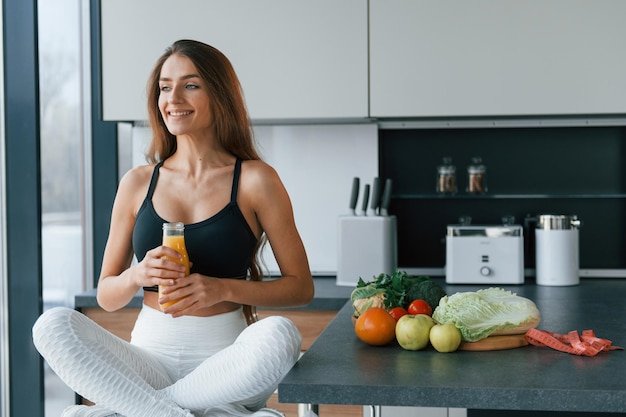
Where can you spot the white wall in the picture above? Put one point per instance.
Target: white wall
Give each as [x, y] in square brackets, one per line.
[317, 165]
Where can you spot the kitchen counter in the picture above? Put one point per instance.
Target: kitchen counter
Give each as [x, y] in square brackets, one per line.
[328, 296]
[340, 369]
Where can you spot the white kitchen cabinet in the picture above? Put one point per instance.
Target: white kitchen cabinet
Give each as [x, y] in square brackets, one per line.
[296, 59]
[392, 411]
[493, 58]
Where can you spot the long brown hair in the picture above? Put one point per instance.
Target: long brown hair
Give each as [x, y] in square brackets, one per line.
[232, 122]
[230, 115]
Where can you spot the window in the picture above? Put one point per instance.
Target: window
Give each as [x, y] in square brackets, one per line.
[62, 167]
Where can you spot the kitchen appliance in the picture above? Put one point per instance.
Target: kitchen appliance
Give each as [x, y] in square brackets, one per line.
[556, 250]
[484, 254]
[367, 243]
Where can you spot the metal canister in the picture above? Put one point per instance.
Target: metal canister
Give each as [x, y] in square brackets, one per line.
[557, 250]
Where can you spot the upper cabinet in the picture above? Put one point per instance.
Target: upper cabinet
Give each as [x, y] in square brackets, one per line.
[354, 59]
[493, 58]
[296, 59]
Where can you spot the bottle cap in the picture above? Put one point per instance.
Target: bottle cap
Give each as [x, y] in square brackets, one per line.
[173, 226]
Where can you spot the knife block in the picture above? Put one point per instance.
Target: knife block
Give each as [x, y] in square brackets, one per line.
[367, 247]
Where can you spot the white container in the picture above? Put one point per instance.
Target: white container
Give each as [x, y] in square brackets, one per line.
[367, 248]
[557, 251]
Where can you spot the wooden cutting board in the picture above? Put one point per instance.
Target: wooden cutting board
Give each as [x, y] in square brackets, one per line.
[495, 343]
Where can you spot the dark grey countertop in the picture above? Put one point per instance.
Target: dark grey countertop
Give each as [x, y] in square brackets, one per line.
[340, 369]
[328, 296]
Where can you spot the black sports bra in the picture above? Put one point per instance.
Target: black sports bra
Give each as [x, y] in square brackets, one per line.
[221, 246]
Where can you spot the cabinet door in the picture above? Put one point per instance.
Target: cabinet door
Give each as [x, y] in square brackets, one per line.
[295, 58]
[495, 58]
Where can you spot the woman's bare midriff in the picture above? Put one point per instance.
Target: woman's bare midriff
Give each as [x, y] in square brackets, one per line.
[151, 299]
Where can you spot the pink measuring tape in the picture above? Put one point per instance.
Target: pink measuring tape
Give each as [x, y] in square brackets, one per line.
[585, 344]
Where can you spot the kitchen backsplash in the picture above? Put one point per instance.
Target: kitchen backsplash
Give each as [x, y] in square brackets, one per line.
[529, 171]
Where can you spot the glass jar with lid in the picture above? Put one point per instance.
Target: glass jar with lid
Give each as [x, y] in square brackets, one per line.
[476, 176]
[446, 177]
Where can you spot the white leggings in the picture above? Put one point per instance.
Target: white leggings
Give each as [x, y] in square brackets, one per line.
[172, 365]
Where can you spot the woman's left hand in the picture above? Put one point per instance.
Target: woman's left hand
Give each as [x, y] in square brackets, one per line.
[193, 292]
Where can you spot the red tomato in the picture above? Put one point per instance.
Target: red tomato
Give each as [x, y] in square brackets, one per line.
[420, 307]
[398, 312]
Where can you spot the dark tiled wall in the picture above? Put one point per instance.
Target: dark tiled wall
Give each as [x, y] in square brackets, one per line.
[530, 171]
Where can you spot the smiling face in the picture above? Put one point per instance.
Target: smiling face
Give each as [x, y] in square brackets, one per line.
[183, 98]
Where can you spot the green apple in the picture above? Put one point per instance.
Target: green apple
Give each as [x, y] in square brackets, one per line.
[445, 337]
[412, 331]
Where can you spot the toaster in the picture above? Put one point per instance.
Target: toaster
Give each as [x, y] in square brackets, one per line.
[484, 254]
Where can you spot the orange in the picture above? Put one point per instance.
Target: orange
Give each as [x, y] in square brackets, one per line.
[375, 327]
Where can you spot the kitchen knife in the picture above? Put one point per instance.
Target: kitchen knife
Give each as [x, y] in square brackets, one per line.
[354, 196]
[386, 198]
[366, 196]
[375, 201]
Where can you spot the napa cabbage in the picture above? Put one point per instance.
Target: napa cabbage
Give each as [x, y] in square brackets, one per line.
[491, 311]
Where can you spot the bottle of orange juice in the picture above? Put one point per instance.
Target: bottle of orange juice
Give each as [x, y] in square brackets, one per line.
[174, 237]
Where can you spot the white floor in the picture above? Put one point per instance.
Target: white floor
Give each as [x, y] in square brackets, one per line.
[57, 394]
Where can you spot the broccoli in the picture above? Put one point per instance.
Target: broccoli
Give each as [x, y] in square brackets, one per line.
[426, 290]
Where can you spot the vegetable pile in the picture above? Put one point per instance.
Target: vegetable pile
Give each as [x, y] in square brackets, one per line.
[424, 313]
[396, 290]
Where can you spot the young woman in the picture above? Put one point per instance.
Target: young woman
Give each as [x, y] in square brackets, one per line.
[205, 354]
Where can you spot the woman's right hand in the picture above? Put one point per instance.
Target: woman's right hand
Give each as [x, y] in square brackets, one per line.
[158, 267]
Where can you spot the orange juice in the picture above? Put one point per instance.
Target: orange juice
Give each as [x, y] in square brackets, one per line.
[173, 237]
